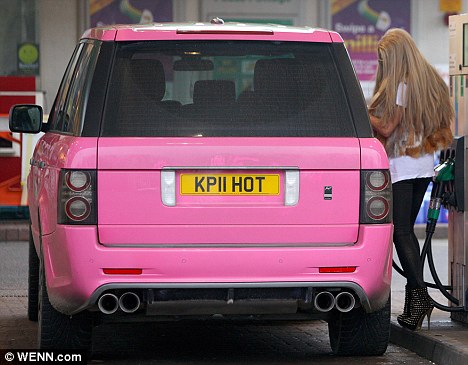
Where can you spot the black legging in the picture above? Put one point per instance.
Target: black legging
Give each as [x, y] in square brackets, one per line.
[407, 198]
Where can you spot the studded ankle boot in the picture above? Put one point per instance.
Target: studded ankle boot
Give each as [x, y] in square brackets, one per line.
[420, 306]
[406, 308]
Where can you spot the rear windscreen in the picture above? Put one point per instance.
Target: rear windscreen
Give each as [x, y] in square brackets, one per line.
[226, 89]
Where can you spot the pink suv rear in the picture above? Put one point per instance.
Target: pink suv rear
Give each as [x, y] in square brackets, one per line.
[193, 170]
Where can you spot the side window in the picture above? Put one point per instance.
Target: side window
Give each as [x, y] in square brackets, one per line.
[78, 94]
[74, 91]
[55, 118]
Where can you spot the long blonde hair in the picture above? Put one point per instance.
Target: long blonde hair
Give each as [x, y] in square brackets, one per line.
[428, 108]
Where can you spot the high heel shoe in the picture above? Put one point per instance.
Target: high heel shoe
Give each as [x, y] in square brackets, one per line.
[406, 308]
[420, 306]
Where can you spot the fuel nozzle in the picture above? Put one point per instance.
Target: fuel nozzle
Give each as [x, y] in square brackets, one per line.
[444, 176]
[433, 214]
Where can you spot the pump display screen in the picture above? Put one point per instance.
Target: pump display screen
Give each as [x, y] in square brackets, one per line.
[465, 45]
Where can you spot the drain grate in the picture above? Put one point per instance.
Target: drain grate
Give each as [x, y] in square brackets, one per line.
[13, 293]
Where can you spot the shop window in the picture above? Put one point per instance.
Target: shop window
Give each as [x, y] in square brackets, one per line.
[19, 54]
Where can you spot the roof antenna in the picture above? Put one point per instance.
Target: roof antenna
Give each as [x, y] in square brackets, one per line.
[217, 21]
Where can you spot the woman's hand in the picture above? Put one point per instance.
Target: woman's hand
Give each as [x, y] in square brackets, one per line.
[387, 129]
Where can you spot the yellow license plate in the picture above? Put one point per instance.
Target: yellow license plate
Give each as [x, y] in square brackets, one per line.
[229, 184]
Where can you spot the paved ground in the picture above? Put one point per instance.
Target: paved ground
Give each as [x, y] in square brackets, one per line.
[440, 253]
[447, 341]
[13, 230]
[182, 342]
[199, 343]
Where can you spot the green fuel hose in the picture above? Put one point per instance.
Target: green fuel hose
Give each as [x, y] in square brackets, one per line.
[444, 176]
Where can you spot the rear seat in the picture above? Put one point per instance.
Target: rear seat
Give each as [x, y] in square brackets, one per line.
[213, 102]
[214, 92]
[263, 103]
[143, 88]
[282, 89]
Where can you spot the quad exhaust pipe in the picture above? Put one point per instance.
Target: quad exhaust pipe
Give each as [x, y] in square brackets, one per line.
[108, 303]
[345, 302]
[325, 301]
[128, 302]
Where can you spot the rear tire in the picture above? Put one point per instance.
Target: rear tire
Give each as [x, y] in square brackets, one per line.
[358, 333]
[59, 331]
[33, 280]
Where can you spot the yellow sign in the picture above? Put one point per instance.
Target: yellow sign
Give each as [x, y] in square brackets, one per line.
[229, 184]
[450, 6]
[96, 5]
[338, 5]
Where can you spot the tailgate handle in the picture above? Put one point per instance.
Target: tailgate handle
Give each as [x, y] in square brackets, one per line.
[168, 188]
[291, 191]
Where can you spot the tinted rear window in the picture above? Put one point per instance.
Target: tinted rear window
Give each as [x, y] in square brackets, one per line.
[226, 89]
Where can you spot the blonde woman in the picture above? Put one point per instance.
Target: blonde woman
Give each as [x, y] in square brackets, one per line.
[411, 114]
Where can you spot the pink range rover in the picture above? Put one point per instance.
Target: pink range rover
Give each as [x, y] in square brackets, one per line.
[199, 170]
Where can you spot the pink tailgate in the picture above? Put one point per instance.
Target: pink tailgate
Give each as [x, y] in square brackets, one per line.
[204, 31]
[131, 188]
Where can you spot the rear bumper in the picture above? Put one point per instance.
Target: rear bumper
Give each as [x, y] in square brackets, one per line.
[74, 262]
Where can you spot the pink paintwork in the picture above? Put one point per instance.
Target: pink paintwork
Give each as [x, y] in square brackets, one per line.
[210, 241]
[372, 154]
[57, 151]
[206, 31]
[76, 270]
[303, 153]
[131, 214]
[131, 171]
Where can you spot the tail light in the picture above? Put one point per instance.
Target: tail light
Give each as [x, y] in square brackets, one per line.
[376, 197]
[77, 197]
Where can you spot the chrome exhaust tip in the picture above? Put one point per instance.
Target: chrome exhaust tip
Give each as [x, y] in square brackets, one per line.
[324, 301]
[345, 302]
[108, 303]
[129, 302]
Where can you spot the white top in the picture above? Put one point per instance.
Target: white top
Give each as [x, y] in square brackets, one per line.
[406, 167]
[401, 95]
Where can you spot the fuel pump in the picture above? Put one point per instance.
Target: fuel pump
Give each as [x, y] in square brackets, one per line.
[445, 191]
[458, 217]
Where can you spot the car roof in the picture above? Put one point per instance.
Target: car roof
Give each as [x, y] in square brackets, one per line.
[211, 31]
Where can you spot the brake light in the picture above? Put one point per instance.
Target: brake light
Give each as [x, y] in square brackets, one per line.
[376, 197]
[77, 208]
[337, 270]
[225, 31]
[77, 180]
[377, 180]
[77, 197]
[122, 271]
